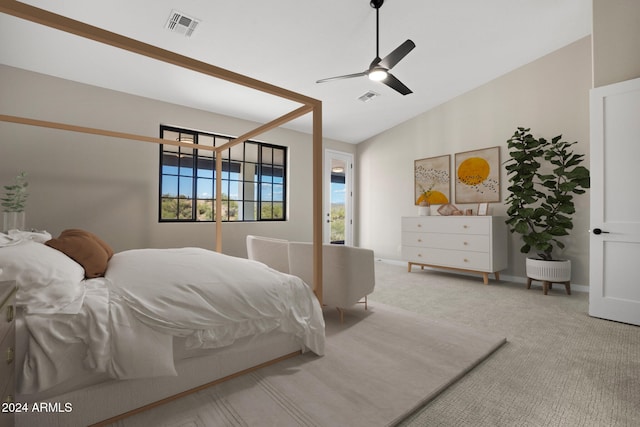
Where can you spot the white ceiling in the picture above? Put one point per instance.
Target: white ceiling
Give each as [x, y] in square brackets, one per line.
[460, 44]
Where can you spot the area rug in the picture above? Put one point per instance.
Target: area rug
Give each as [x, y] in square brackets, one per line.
[380, 365]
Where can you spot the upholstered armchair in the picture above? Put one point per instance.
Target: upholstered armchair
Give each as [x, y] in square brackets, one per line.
[348, 272]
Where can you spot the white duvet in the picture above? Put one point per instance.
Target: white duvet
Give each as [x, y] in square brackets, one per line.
[148, 296]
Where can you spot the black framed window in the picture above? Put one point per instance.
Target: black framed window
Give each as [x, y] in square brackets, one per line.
[253, 179]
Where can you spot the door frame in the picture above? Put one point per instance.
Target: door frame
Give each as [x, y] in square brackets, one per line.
[347, 158]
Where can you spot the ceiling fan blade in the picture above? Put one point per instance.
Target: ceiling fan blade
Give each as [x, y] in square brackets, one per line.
[394, 57]
[347, 76]
[396, 84]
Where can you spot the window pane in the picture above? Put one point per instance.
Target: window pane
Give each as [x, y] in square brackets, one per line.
[266, 210]
[186, 187]
[278, 211]
[250, 191]
[184, 208]
[169, 208]
[267, 155]
[170, 186]
[205, 210]
[205, 188]
[235, 169]
[237, 152]
[250, 211]
[170, 160]
[278, 175]
[234, 190]
[266, 192]
[186, 165]
[266, 174]
[233, 210]
[278, 193]
[251, 152]
[250, 172]
[206, 167]
[278, 156]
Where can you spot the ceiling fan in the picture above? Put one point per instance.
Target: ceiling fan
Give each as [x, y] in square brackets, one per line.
[379, 68]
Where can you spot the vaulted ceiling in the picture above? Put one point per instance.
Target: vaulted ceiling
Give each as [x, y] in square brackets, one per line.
[460, 45]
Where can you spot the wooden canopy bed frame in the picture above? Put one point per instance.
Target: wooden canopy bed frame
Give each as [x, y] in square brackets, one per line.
[308, 105]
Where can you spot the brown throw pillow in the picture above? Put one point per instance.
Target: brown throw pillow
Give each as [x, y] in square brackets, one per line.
[86, 249]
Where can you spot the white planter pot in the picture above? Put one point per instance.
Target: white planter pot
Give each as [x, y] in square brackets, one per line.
[549, 271]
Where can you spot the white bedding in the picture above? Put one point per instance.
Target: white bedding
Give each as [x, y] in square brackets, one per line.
[128, 319]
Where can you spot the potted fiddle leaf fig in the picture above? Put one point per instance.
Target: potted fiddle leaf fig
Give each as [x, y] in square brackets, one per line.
[544, 177]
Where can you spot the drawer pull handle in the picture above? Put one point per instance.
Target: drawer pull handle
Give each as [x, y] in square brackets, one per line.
[466, 260]
[419, 225]
[419, 255]
[466, 243]
[10, 355]
[419, 240]
[10, 313]
[8, 399]
[465, 226]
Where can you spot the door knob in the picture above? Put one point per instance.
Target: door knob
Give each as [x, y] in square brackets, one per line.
[599, 231]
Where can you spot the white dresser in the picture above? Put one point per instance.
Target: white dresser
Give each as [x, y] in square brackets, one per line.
[466, 243]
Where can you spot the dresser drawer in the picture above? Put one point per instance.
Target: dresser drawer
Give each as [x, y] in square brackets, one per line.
[466, 260]
[447, 224]
[461, 242]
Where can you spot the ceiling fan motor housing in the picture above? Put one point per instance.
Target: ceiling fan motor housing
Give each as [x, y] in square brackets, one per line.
[376, 4]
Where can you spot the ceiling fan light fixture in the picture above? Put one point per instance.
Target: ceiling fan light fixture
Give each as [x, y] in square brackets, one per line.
[378, 74]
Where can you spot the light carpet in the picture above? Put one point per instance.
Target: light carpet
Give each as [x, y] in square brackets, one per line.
[380, 365]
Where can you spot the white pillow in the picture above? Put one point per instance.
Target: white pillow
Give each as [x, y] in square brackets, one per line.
[48, 280]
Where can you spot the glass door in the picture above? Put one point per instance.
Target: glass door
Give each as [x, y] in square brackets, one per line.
[338, 198]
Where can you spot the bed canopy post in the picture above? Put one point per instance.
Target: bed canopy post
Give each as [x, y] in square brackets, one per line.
[63, 23]
[317, 201]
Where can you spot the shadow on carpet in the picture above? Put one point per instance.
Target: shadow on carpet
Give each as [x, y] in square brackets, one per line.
[380, 365]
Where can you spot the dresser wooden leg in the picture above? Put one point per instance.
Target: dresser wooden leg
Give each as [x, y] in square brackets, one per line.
[545, 287]
[485, 278]
[497, 274]
[529, 280]
[567, 286]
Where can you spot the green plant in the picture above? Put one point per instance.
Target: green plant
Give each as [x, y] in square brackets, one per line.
[16, 195]
[544, 176]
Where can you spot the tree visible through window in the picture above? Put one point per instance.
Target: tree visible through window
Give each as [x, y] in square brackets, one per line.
[253, 179]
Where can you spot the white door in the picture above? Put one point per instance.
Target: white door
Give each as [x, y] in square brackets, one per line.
[614, 272]
[338, 197]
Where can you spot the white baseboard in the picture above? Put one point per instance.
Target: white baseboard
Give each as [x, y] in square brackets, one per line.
[506, 278]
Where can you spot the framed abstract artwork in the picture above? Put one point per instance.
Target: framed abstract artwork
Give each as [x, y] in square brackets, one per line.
[478, 176]
[432, 177]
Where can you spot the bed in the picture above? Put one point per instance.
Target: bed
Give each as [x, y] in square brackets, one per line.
[193, 368]
[133, 328]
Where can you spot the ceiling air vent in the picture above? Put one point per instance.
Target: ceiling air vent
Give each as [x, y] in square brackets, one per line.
[180, 23]
[368, 96]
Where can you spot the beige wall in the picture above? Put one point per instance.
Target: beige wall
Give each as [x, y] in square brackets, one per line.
[550, 95]
[616, 41]
[110, 186]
